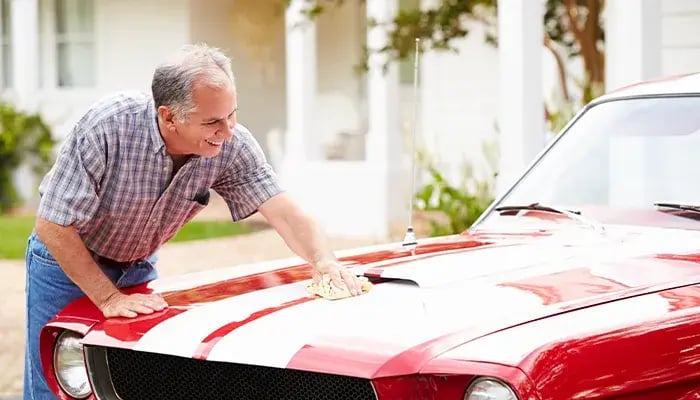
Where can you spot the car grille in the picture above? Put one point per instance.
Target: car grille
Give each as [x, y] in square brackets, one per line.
[139, 375]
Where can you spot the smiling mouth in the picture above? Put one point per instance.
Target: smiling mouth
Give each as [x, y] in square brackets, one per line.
[214, 143]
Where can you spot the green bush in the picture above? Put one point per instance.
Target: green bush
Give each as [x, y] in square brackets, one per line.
[453, 208]
[458, 207]
[24, 139]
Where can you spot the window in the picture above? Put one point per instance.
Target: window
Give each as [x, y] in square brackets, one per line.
[75, 43]
[5, 45]
[620, 155]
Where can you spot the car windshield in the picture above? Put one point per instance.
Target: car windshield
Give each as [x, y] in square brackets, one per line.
[621, 155]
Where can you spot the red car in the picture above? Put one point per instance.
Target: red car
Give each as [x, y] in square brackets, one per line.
[581, 282]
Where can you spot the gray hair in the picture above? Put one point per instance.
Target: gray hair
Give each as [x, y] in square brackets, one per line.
[173, 80]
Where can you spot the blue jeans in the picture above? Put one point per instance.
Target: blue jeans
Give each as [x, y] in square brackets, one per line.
[48, 290]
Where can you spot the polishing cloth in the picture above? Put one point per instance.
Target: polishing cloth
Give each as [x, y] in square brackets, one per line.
[326, 289]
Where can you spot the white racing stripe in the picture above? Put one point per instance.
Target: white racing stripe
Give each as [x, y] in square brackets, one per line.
[388, 310]
[392, 318]
[182, 334]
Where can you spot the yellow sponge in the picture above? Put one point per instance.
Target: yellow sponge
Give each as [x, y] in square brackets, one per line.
[326, 289]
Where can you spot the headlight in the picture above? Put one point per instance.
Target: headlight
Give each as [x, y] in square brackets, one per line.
[69, 364]
[489, 389]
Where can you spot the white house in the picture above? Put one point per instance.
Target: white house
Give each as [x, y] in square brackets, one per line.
[341, 141]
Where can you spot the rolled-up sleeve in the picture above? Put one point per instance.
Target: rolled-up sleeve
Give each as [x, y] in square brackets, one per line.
[69, 192]
[249, 181]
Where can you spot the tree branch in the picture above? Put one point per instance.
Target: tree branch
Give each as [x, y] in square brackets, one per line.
[572, 13]
[587, 41]
[591, 32]
[561, 68]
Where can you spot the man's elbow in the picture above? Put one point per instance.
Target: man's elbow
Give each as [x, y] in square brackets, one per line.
[46, 230]
[41, 227]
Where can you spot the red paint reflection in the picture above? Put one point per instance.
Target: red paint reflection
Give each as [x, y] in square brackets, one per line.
[682, 298]
[567, 286]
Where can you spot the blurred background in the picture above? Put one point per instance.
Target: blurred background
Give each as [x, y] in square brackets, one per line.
[329, 89]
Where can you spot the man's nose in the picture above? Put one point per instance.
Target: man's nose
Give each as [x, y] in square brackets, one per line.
[226, 129]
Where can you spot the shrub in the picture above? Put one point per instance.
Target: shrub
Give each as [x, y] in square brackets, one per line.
[454, 208]
[24, 139]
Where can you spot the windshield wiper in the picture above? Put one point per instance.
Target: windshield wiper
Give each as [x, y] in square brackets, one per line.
[575, 215]
[676, 206]
[680, 210]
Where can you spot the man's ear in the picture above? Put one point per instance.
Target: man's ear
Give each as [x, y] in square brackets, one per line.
[167, 116]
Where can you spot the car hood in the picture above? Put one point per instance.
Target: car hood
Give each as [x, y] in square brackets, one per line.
[446, 292]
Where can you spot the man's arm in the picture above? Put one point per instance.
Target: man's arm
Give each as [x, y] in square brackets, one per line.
[250, 185]
[64, 243]
[70, 197]
[304, 237]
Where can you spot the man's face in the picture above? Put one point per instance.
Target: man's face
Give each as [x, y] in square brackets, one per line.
[206, 128]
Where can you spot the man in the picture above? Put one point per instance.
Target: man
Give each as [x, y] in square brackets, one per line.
[133, 171]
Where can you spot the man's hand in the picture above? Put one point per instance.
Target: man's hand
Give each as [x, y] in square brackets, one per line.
[130, 305]
[340, 276]
[70, 252]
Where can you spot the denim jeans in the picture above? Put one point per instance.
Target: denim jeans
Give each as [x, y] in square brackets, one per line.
[48, 290]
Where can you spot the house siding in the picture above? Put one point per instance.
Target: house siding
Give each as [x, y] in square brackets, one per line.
[681, 36]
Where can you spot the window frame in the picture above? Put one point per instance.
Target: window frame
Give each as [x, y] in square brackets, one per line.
[50, 41]
[6, 43]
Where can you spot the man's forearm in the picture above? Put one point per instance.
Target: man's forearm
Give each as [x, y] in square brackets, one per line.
[70, 252]
[304, 237]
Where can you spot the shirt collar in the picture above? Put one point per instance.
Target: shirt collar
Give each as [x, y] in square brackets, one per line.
[154, 130]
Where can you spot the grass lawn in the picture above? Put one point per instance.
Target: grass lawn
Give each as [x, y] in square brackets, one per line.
[196, 230]
[15, 230]
[13, 236]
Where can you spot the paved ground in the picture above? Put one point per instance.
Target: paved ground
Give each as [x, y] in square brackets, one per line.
[174, 259]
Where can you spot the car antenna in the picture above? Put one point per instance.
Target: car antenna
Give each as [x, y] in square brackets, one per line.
[409, 239]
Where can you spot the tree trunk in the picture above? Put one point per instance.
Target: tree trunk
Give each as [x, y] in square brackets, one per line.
[587, 37]
[561, 68]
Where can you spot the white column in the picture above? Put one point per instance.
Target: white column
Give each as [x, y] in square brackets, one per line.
[521, 111]
[383, 147]
[632, 41]
[24, 16]
[301, 142]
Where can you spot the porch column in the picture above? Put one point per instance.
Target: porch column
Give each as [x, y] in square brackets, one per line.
[632, 42]
[383, 146]
[301, 142]
[24, 15]
[521, 114]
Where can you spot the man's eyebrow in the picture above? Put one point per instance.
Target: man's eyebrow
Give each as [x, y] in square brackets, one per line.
[214, 119]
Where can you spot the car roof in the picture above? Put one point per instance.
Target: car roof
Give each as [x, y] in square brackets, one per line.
[676, 84]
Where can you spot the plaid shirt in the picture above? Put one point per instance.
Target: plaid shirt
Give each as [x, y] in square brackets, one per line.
[111, 180]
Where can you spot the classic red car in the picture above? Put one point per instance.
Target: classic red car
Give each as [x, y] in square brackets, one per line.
[580, 282]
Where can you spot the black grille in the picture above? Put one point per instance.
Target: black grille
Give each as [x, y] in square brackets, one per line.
[139, 375]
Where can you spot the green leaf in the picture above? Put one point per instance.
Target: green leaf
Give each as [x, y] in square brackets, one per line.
[24, 139]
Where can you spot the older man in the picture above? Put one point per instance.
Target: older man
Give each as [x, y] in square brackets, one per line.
[133, 171]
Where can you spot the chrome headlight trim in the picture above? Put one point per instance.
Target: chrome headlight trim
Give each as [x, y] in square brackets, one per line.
[69, 365]
[497, 385]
